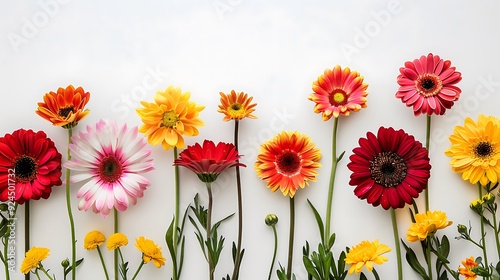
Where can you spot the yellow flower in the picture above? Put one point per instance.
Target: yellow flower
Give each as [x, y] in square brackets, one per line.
[33, 258]
[475, 150]
[170, 117]
[150, 251]
[426, 224]
[116, 240]
[93, 239]
[366, 254]
[236, 106]
[466, 271]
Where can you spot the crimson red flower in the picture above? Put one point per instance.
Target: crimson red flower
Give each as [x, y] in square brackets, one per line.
[209, 160]
[428, 84]
[30, 166]
[389, 169]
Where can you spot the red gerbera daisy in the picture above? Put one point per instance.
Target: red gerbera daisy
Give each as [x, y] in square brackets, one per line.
[389, 169]
[30, 166]
[209, 160]
[428, 84]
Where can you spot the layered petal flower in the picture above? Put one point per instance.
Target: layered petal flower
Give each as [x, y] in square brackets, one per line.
[428, 84]
[93, 239]
[466, 270]
[366, 254]
[111, 160]
[33, 258]
[150, 251]
[389, 169]
[426, 224]
[236, 106]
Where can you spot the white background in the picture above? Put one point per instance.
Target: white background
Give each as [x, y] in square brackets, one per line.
[122, 52]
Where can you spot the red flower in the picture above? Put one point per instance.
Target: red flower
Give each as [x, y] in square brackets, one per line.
[29, 166]
[209, 160]
[389, 169]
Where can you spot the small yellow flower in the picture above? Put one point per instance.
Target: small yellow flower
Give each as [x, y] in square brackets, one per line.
[33, 258]
[426, 224]
[488, 198]
[116, 240]
[150, 251]
[466, 271]
[236, 106]
[366, 254]
[93, 239]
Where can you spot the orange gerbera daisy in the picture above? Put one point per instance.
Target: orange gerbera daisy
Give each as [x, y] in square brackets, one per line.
[466, 271]
[288, 161]
[338, 92]
[236, 106]
[66, 107]
[170, 117]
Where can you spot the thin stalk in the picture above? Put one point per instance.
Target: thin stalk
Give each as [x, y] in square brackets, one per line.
[139, 268]
[6, 244]
[427, 144]
[396, 243]
[428, 257]
[237, 261]
[46, 273]
[176, 217]
[115, 253]
[290, 238]
[483, 235]
[211, 268]
[495, 228]
[122, 262]
[70, 212]
[332, 179]
[274, 252]
[102, 263]
[27, 231]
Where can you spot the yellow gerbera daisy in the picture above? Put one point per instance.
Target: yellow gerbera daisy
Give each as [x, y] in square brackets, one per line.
[475, 150]
[426, 224]
[170, 117]
[366, 254]
[33, 258]
[236, 106]
[117, 240]
[150, 251]
[93, 239]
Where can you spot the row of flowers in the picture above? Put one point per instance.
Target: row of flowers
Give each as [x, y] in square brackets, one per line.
[389, 168]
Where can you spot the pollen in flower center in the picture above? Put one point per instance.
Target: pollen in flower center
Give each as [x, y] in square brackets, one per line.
[388, 169]
[170, 119]
[236, 110]
[25, 168]
[428, 84]
[64, 112]
[288, 163]
[110, 169]
[483, 149]
[338, 97]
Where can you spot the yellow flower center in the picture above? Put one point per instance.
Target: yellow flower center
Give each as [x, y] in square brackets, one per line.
[236, 110]
[338, 97]
[170, 119]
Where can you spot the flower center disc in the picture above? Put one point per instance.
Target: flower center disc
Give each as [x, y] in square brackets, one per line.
[170, 119]
[483, 149]
[235, 110]
[26, 168]
[428, 85]
[388, 169]
[338, 97]
[64, 112]
[288, 163]
[110, 169]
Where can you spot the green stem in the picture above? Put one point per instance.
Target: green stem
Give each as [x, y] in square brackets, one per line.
[211, 268]
[483, 235]
[27, 231]
[176, 217]
[274, 252]
[102, 263]
[396, 243]
[46, 273]
[427, 144]
[237, 261]
[10, 222]
[139, 269]
[115, 253]
[70, 212]
[428, 257]
[495, 228]
[332, 179]
[121, 263]
[36, 273]
[290, 238]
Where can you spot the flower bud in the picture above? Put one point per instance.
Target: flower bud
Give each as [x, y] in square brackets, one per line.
[65, 263]
[4, 207]
[462, 229]
[271, 220]
[476, 205]
[488, 198]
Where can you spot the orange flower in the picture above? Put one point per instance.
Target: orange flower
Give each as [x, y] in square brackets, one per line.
[66, 107]
[288, 161]
[466, 271]
[236, 106]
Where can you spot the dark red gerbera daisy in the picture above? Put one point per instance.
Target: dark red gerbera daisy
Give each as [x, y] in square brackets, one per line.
[389, 169]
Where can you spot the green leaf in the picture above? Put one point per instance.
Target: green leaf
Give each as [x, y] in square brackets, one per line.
[169, 239]
[412, 260]
[340, 157]
[69, 268]
[362, 276]
[310, 268]
[319, 221]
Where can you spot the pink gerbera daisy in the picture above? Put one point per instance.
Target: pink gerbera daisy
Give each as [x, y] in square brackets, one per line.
[428, 84]
[111, 159]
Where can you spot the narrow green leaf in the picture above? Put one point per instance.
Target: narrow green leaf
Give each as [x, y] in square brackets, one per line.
[319, 221]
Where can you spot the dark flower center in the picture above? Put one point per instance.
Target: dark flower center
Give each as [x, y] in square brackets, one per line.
[338, 97]
[483, 149]
[26, 168]
[170, 119]
[288, 163]
[110, 169]
[428, 84]
[236, 106]
[388, 169]
[64, 112]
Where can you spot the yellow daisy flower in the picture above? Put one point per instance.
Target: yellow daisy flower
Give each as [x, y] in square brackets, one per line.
[33, 258]
[93, 239]
[116, 240]
[426, 224]
[366, 254]
[150, 251]
[236, 106]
